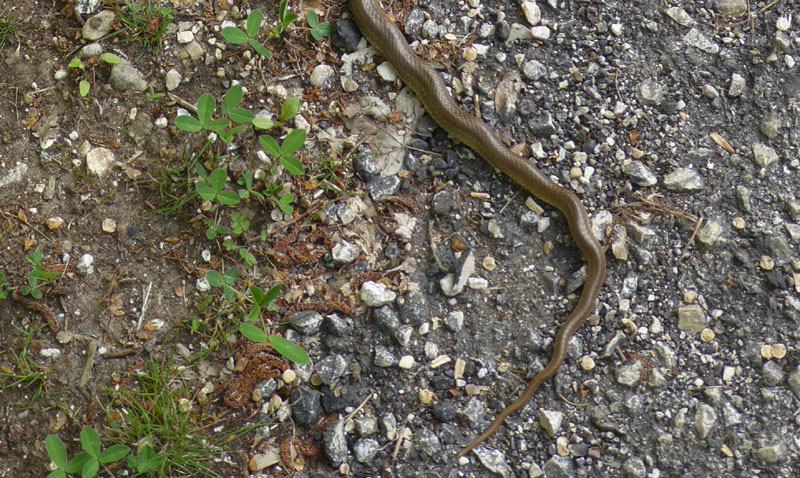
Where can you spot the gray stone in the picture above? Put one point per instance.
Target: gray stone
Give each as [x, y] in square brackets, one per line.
[382, 187]
[366, 426]
[98, 26]
[172, 79]
[87, 7]
[335, 443]
[90, 50]
[365, 449]
[710, 233]
[344, 252]
[704, 420]
[427, 442]
[124, 76]
[534, 70]
[493, 460]
[640, 174]
[453, 284]
[383, 357]
[680, 16]
[772, 373]
[388, 425]
[738, 84]
[634, 468]
[305, 405]
[696, 39]
[683, 179]
[320, 75]
[559, 467]
[330, 368]
[99, 161]
[731, 8]
[629, 373]
[15, 175]
[692, 318]
[414, 21]
[306, 322]
[376, 294]
[763, 155]
[85, 265]
[794, 382]
[550, 420]
[650, 92]
[455, 321]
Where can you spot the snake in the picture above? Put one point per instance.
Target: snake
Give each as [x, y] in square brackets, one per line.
[431, 90]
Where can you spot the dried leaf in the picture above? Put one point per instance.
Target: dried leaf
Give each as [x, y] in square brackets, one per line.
[27, 243]
[633, 136]
[115, 306]
[177, 290]
[721, 142]
[21, 216]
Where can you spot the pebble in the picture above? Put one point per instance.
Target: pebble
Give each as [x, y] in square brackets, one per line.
[737, 86]
[376, 294]
[98, 26]
[587, 362]
[406, 362]
[532, 12]
[550, 420]
[629, 373]
[764, 155]
[321, 74]
[683, 179]
[172, 79]
[365, 449]
[99, 161]
[692, 318]
[705, 418]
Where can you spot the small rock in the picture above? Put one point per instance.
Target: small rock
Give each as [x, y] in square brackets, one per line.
[124, 76]
[330, 368]
[710, 233]
[98, 26]
[306, 322]
[493, 460]
[680, 16]
[85, 265]
[99, 161]
[737, 85]
[701, 42]
[629, 373]
[172, 79]
[731, 8]
[532, 13]
[305, 405]
[376, 294]
[772, 373]
[704, 420]
[691, 318]
[335, 442]
[185, 37]
[365, 449]
[640, 174]
[634, 468]
[320, 75]
[683, 179]
[763, 155]
[550, 420]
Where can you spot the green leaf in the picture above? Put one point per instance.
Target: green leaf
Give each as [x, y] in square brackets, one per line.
[206, 105]
[232, 98]
[75, 63]
[90, 468]
[258, 295]
[114, 453]
[57, 474]
[289, 18]
[270, 145]
[246, 256]
[271, 294]
[240, 115]
[228, 198]
[324, 28]
[230, 275]
[253, 22]
[293, 141]
[187, 123]
[83, 87]
[234, 35]
[289, 350]
[215, 278]
[36, 294]
[282, 10]
[90, 441]
[227, 291]
[290, 108]
[218, 125]
[293, 165]
[76, 464]
[259, 48]
[217, 179]
[205, 192]
[236, 129]
[262, 122]
[252, 332]
[312, 18]
[56, 450]
[315, 34]
[110, 58]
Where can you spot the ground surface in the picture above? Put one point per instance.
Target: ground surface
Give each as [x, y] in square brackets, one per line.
[675, 122]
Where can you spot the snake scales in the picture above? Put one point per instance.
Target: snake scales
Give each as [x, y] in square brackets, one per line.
[431, 90]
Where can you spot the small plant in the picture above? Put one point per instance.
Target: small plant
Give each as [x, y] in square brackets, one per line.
[153, 95]
[262, 300]
[78, 64]
[317, 29]
[246, 181]
[35, 275]
[225, 281]
[7, 28]
[27, 372]
[237, 36]
[206, 104]
[213, 229]
[293, 141]
[212, 188]
[146, 462]
[4, 287]
[285, 17]
[145, 21]
[239, 223]
[88, 461]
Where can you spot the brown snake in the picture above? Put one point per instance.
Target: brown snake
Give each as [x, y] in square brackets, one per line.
[431, 90]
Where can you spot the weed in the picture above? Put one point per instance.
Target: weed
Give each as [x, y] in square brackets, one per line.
[7, 28]
[285, 17]
[212, 188]
[225, 281]
[145, 21]
[317, 29]
[88, 461]
[155, 412]
[78, 64]
[35, 275]
[4, 287]
[237, 36]
[27, 372]
[263, 300]
[153, 95]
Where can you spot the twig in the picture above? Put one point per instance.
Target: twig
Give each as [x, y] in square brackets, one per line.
[144, 305]
[105, 296]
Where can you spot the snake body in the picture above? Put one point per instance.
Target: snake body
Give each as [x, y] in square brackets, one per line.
[431, 90]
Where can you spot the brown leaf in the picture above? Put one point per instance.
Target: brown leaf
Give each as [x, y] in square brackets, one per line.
[115, 306]
[721, 142]
[633, 136]
[21, 216]
[177, 290]
[27, 243]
